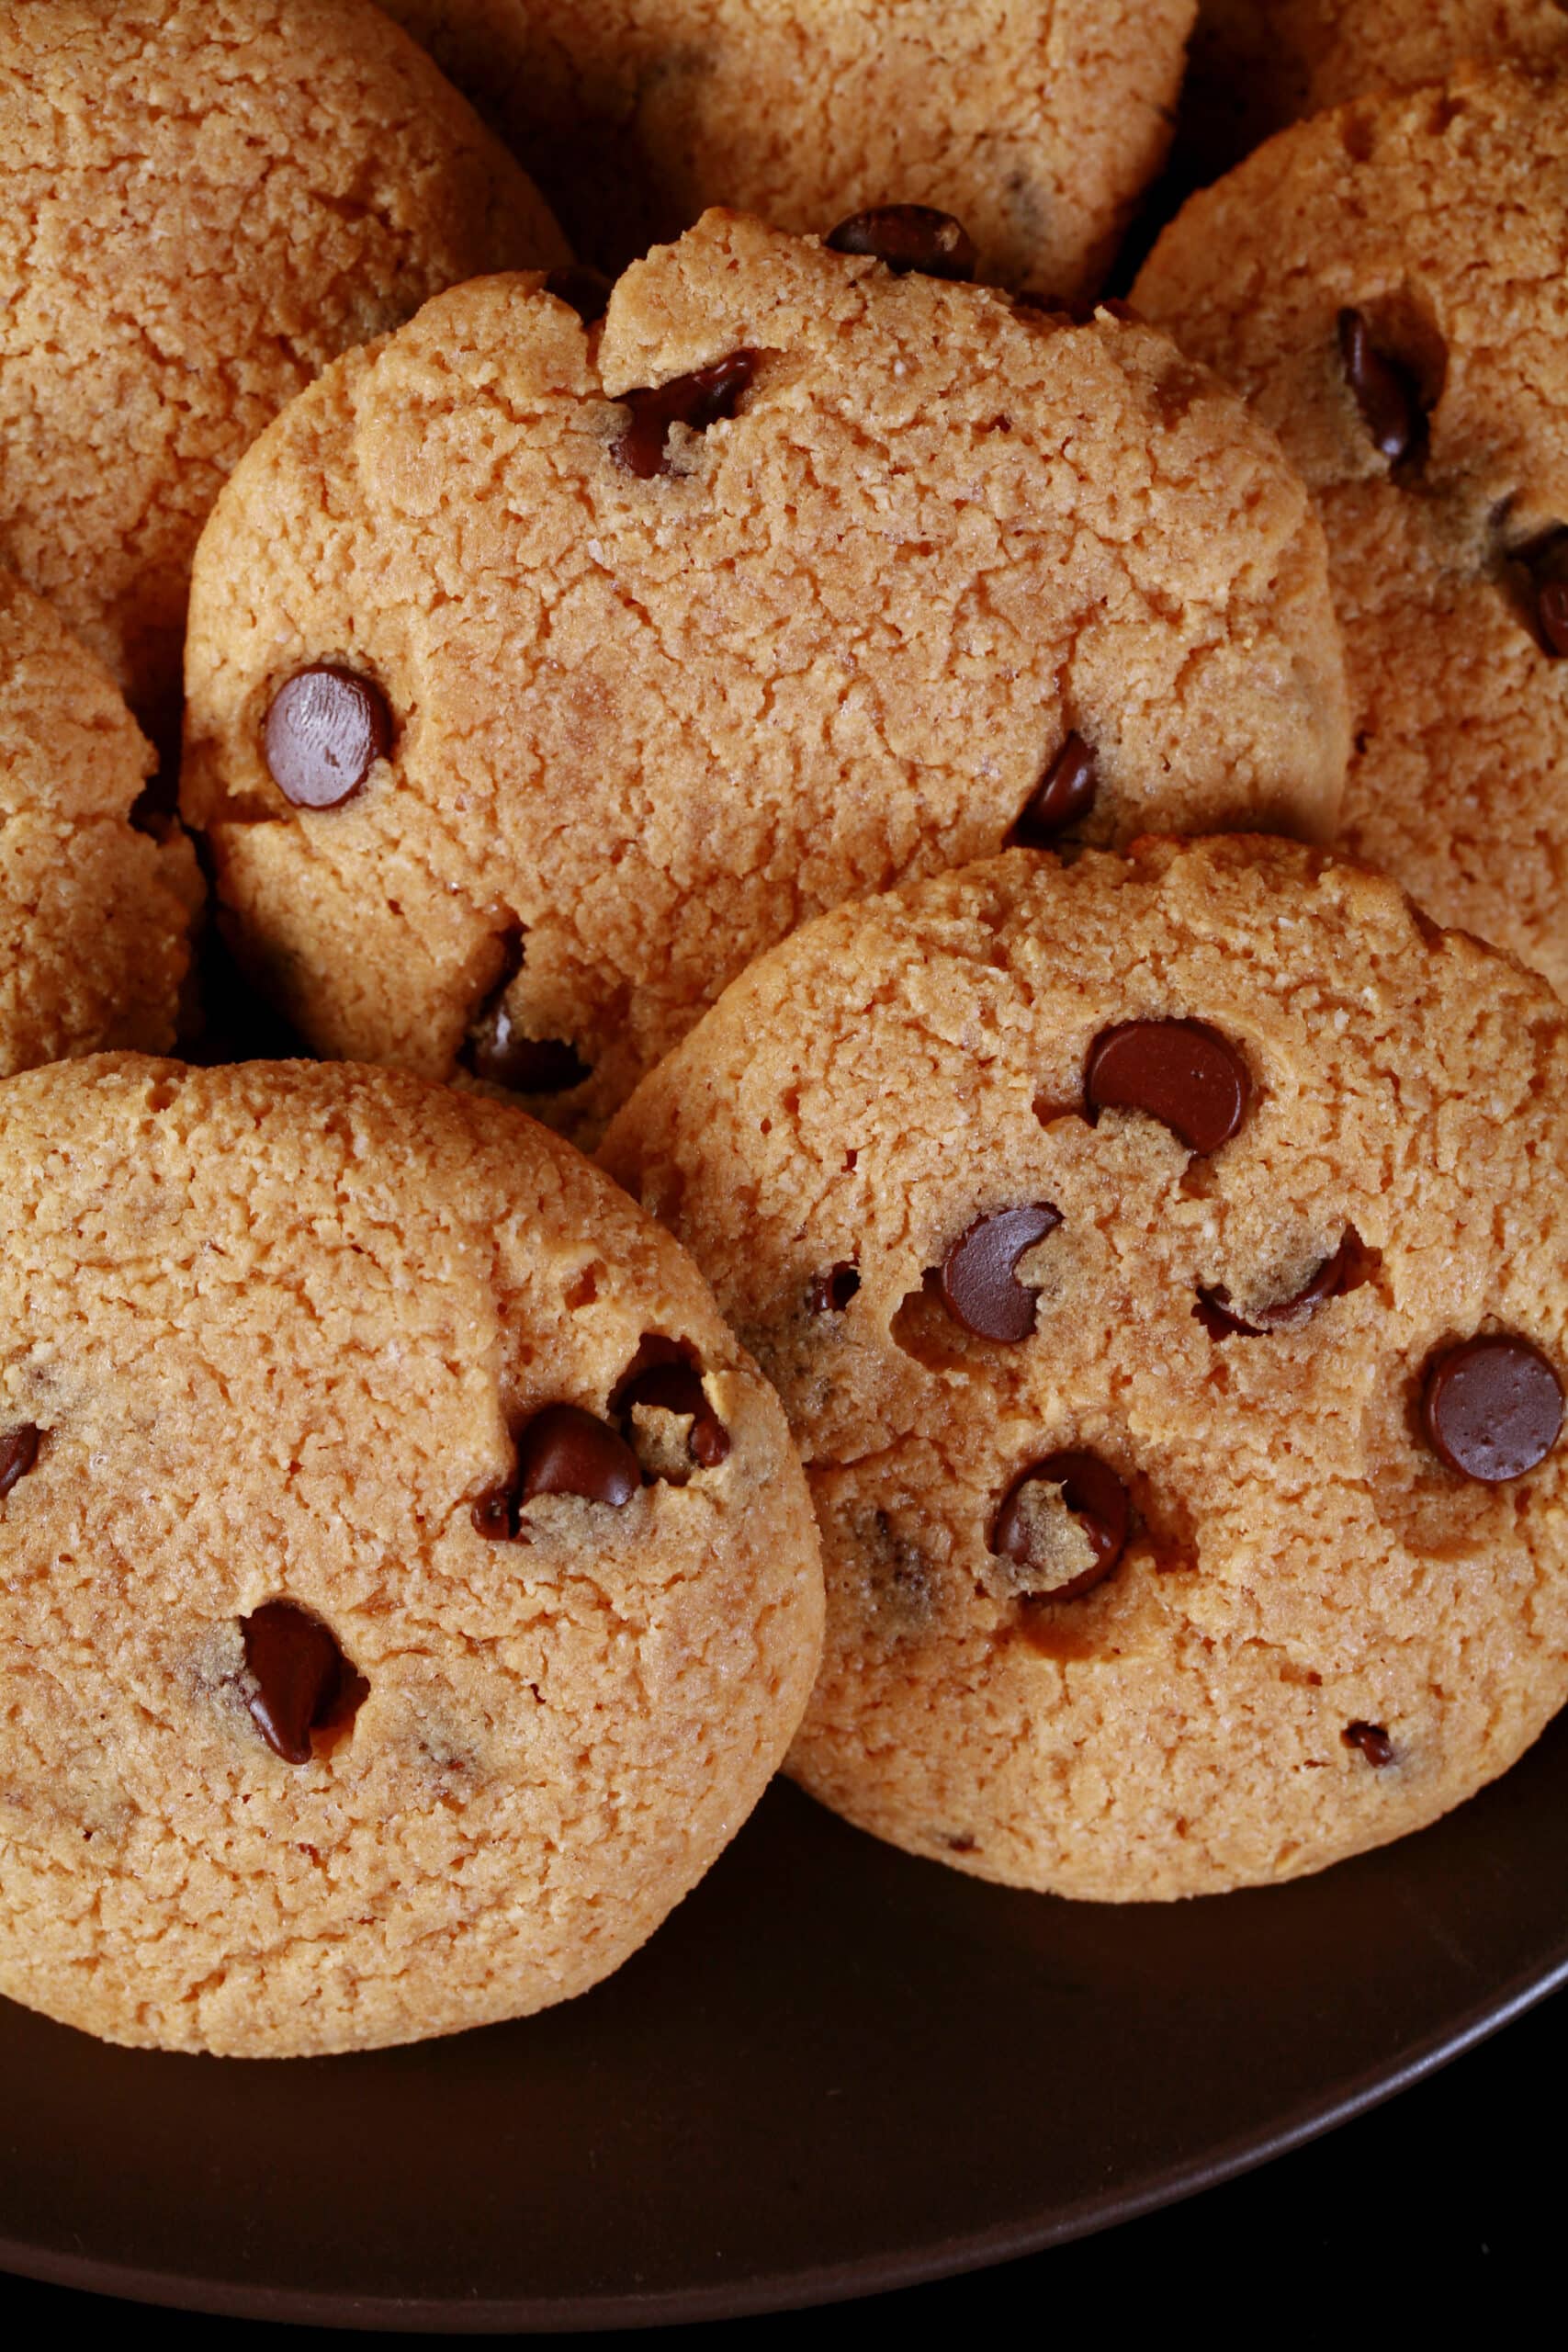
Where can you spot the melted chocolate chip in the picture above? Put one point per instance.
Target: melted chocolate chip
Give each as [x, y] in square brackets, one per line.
[1493, 1408]
[1347, 1269]
[1098, 1501]
[1385, 394]
[1067, 793]
[297, 1672]
[908, 237]
[663, 1377]
[829, 1294]
[705, 397]
[496, 1051]
[980, 1287]
[18, 1452]
[1181, 1072]
[1371, 1739]
[584, 290]
[325, 729]
[564, 1451]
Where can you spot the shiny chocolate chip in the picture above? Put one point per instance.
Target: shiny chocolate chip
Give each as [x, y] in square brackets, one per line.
[1345, 1270]
[297, 1674]
[1385, 394]
[496, 1051]
[493, 1515]
[18, 1452]
[326, 727]
[582, 290]
[705, 397]
[829, 1294]
[1372, 1740]
[980, 1287]
[908, 237]
[1180, 1072]
[564, 1451]
[1493, 1408]
[1099, 1503]
[1065, 793]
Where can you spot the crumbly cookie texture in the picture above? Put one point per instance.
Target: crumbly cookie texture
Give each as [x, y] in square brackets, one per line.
[617, 730]
[1038, 124]
[201, 203]
[94, 914]
[277, 1343]
[1439, 460]
[1318, 1636]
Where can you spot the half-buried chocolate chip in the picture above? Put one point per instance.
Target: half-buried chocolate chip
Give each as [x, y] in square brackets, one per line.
[1385, 394]
[326, 727]
[1067, 793]
[1063, 1525]
[708, 396]
[1350, 1266]
[1552, 616]
[908, 237]
[1372, 1741]
[1180, 1072]
[829, 1294]
[496, 1049]
[582, 290]
[297, 1676]
[980, 1287]
[662, 1403]
[565, 1451]
[18, 1452]
[1493, 1408]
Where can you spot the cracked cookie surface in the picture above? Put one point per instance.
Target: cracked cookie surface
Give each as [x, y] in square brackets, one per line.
[1439, 222]
[1162, 1585]
[201, 203]
[356, 1689]
[619, 698]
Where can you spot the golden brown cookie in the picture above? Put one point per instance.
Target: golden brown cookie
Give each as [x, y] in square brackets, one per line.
[541, 676]
[408, 1584]
[1389, 286]
[1039, 123]
[93, 913]
[1162, 1263]
[201, 203]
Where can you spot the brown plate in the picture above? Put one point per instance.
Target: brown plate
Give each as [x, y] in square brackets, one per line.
[836, 2069]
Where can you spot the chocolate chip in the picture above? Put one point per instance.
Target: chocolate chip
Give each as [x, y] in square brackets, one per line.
[1181, 1072]
[829, 1294]
[299, 1674]
[584, 290]
[979, 1279]
[18, 1452]
[1066, 794]
[705, 397]
[1552, 616]
[564, 1451]
[325, 729]
[494, 1515]
[908, 237]
[1347, 1269]
[663, 1378]
[496, 1051]
[1385, 394]
[1024, 1529]
[1371, 1739]
[1493, 1408]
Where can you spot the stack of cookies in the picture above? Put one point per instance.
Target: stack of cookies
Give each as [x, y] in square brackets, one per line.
[915, 767]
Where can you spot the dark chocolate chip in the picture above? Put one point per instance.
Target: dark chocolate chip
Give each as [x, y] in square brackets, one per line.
[829, 1294]
[1181, 1072]
[493, 1516]
[297, 1672]
[980, 1287]
[496, 1051]
[1493, 1408]
[664, 1374]
[1371, 1739]
[564, 1451]
[1067, 793]
[1347, 1269]
[705, 397]
[1098, 1500]
[18, 1452]
[325, 729]
[1552, 616]
[908, 237]
[1385, 394]
[584, 290]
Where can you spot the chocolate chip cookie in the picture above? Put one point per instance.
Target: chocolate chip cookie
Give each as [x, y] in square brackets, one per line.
[1387, 286]
[97, 893]
[1039, 123]
[201, 203]
[542, 673]
[407, 1585]
[1162, 1263]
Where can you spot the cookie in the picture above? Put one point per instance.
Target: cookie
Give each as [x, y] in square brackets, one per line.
[1162, 1263]
[408, 1584]
[1039, 125]
[94, 912]
[1386, 285]
[201, 203]
[540, 675]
